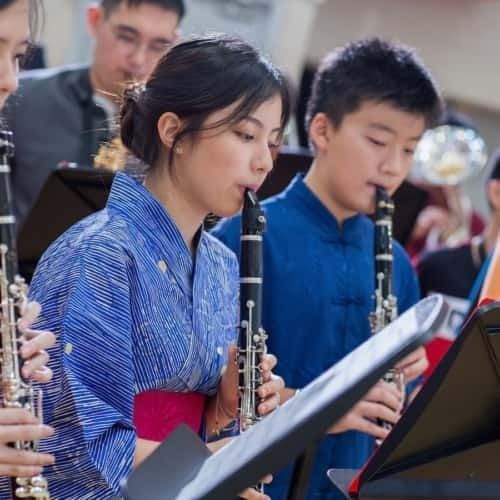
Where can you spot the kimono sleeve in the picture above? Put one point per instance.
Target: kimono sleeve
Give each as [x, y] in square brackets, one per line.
[89, 402]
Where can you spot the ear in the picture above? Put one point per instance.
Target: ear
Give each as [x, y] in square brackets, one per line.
[169, 125]
[95, 16]
[493, 193]
[319, 131]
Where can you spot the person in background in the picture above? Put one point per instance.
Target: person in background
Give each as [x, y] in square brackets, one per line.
[64, 114]
[17, 28]
[448, 218]
[370, 104]
[453, 271]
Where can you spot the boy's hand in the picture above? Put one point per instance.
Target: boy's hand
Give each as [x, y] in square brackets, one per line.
[383, 401]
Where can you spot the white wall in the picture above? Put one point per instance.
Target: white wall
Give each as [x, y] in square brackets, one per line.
[458, 39]
[64, 31]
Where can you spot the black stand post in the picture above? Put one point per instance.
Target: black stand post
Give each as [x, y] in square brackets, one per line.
[301, 473]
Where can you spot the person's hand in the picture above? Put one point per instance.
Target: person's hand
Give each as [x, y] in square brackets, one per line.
[431, 218]
[35, 343]
[253, 494]
[20, 425]
[268, 391]
[413, 365]
[383, 401]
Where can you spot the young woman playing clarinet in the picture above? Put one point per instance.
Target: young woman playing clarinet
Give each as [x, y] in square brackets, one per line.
[143, 301]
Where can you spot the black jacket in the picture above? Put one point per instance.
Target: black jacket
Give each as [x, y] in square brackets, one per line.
[54, 118]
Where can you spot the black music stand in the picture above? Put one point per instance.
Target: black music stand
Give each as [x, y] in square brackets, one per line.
[288, 431]
[447, 443]
[68, 195]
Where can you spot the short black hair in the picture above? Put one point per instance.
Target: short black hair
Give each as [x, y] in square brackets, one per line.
[176, 6]
[373, 70]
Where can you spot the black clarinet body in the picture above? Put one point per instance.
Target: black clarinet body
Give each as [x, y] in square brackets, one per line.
[385, 302]
[385, 307]
[7, 218]
[252, 337]
[16, 391]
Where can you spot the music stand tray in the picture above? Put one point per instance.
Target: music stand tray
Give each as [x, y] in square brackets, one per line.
[288, 431]
[447, 443]
[68, 195]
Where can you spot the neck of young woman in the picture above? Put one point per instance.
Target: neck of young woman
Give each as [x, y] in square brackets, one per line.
[185, 212]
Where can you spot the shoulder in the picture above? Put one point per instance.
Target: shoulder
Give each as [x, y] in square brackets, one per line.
[39, 90]
[226, 228]
[217, 250]
[400, 253]
[278, 203]
[100, 238]
[52, 76]
[92, 255]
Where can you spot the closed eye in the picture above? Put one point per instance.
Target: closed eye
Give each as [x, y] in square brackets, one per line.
[244, 136]
[376, 142]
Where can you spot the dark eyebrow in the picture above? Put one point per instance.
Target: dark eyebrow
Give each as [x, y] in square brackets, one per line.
[259, 124]
[124, 28]
[390, 130]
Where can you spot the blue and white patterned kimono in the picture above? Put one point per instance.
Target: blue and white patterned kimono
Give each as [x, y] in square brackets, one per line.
[132, 311]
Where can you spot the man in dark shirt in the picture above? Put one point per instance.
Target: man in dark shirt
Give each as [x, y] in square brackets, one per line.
[64, 114]
[453, 271]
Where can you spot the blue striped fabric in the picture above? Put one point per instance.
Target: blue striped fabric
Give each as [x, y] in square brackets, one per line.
[133, 311]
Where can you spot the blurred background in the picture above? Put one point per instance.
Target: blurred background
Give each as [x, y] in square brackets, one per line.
[457, 39]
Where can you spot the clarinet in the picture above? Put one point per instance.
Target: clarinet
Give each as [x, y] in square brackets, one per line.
[16, 391]
[252, 337]
[385, 302]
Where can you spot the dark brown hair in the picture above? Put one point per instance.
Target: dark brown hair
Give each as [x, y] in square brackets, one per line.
[193, 80]
[176, 6]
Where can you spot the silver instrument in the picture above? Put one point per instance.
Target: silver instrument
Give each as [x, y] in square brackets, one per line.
[447, 156]
[16, 391]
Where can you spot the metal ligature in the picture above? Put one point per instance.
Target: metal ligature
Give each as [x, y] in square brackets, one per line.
[16, 391]
[386, 304]
[252, 337]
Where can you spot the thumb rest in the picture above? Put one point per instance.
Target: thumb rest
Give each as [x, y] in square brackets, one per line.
[16, 391]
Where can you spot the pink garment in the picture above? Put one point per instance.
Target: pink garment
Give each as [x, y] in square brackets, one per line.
[158, 413]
